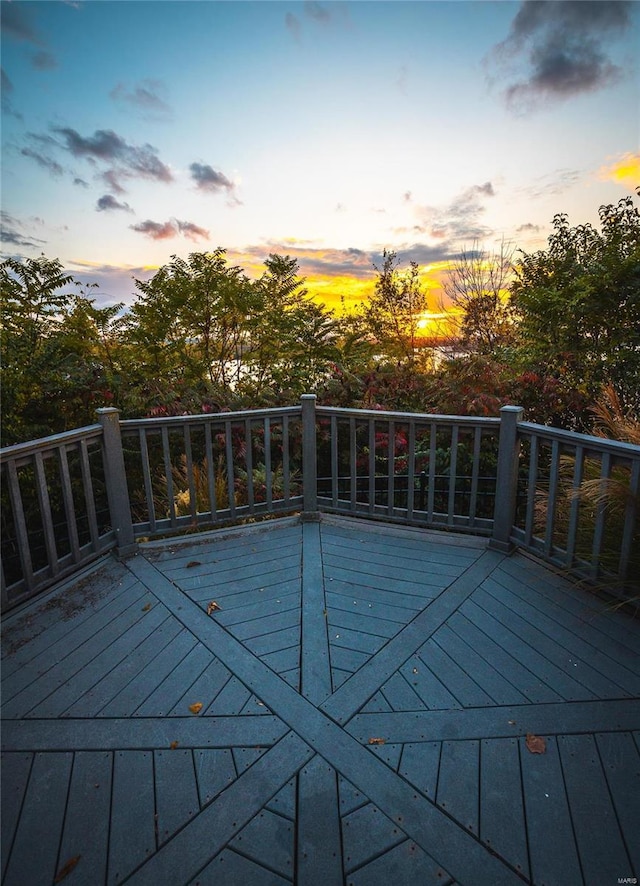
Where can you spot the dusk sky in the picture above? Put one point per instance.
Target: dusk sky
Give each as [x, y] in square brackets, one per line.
[132, 131]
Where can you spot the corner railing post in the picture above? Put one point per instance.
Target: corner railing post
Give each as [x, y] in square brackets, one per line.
[506, 479]
[116, 481]
[309, 458]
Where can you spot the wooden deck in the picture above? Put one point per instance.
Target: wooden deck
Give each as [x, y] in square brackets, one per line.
[366, 693]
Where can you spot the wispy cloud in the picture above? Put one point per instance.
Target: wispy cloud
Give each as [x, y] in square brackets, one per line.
[293, 25]
[124, 161]
[43, 161]
[108, 202]
[192, 231]
[528, 228]
[17, 23]
[460, 220]
[312, 260]
[116, 282]
[7, 85]
[559, 50]
[147, 97]
[317, 11]
[344, 277]
[170, 229]
[44, 60]
[7, 90]
[207, 179]
[350, 262]
[12, 232]
[553, 183]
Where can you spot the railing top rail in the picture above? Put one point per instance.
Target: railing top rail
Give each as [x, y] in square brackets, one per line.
[19, 450]
[472, 420]
[598, 444]
[203, 418]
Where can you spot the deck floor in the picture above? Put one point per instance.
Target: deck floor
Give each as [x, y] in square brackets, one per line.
[363, 699]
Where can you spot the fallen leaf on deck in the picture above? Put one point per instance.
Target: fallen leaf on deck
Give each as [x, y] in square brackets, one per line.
[536, 744]
[67, 868]
[174, 745]
[195, 708]
[212, 607]
[377, 741]
[193, 563]
[146, 608]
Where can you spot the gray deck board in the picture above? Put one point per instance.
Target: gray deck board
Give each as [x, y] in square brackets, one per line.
[621, 766]
[502, 820]
[592, 612]
[599, 841]
[16, 768]
[458, 783]
[86, 825]
[72, 641]
[35, 851]
[488, 677]
[545, 609]
[496, 621]
[176, 791]
[594, 666]
[552, 848]
[38, 629]
[456, 677]
[366, 692]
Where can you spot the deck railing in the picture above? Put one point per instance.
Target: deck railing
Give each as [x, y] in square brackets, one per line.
[431, 470]
[189, 472]
[569, 498]
[55, 510]
[579, 504]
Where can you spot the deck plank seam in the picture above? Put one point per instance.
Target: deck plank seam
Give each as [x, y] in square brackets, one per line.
[532, 605]
[613, 717]
[621, 829]
[490, 638]
[547, 616]
[340, 745]
[548, 647]
[532, 653]
[347, 700]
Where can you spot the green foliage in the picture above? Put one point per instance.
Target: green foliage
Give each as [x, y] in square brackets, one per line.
[57, 351]
[395, 308]
[293, 339]
[578, 303]
[201, 336]
[188, 324]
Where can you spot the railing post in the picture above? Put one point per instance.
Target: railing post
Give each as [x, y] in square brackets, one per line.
[116, 481]
[309, 458]
[507, 478]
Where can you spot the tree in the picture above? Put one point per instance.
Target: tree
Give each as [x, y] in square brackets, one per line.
[188, 325]
[54, 350]
[477, 285]
[292, 338]
[578, 303]
[395, 308]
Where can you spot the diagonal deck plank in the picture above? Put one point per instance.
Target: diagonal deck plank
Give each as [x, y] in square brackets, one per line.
[366, 694]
